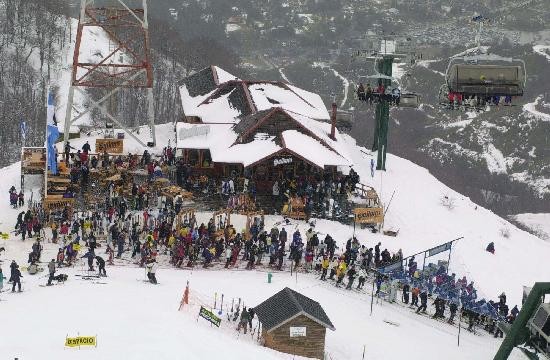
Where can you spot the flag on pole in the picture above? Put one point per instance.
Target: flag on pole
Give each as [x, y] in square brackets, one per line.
[23, 126]
[53, 133]
[50, 111]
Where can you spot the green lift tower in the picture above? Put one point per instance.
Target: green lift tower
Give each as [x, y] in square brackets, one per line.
[530, 332]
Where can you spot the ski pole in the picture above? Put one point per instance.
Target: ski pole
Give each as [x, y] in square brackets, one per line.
[221, 307]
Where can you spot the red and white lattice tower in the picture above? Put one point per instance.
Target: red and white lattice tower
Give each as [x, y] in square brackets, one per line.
[124, 63]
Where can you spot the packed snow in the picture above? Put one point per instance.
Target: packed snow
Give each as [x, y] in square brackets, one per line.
[539, 224]
[531, 108]
[543, 50]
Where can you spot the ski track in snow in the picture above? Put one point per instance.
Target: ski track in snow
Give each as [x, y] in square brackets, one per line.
[538, 223]
[426, 64]
[542, 50]
[531, 109]
[283, 75]
[496, 162]
[345, 81]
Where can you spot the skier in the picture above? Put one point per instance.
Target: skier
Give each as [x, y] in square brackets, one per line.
[414, 293]
[453, 307]
[423, 301]
[341, 272]
[406, 289]
[351, 277]
[16, 279]
[491, 248]
[243, 321]
[324, 265]
[2, 278]
[362, 278]
[251, 314]
[101, 265]
[51, 270]
[151, 271]
[90, 255]
[228, 255]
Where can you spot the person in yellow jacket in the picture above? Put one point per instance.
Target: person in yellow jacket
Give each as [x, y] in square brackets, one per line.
[324, 266]
[87, 227]
[341, 272]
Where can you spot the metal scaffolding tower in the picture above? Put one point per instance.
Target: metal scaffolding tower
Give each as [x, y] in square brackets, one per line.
[384, 50]
[126, 64]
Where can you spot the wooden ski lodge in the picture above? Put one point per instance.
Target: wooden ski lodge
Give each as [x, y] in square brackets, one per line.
[264, 129]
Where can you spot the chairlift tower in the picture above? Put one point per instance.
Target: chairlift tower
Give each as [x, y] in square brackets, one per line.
[384, 50]
[126, 64]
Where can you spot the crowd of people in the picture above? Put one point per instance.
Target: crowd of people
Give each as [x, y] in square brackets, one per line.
[457, 100]
[447, 290]
[129, 228]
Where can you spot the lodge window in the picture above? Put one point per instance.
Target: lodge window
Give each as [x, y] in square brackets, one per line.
[193, 157]
[206, 159]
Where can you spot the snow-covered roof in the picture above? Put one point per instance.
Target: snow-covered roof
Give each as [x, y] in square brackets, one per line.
[308, 139]
[311, 149]
[216, 96]
[244, 122]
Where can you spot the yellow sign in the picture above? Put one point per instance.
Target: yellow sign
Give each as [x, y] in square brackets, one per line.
[369, 215]
[112, 146]
[5, 236]
[81, 341]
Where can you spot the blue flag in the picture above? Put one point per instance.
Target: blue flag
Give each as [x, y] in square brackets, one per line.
[53, 135]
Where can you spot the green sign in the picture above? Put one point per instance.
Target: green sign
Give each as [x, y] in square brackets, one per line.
[209, 315]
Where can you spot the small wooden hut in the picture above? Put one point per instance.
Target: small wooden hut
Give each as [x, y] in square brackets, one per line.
[293, 323]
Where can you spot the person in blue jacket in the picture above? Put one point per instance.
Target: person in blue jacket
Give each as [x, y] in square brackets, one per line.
[90, 255]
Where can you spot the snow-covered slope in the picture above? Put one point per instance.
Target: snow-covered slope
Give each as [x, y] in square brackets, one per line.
[126, 309]
[139, 321]
[539, 224]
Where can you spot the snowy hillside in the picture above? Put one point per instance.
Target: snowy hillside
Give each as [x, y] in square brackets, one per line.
[538, 224]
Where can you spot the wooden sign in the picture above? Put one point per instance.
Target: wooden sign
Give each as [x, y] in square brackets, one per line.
[54, 203]
[369, 215]
[112, 146]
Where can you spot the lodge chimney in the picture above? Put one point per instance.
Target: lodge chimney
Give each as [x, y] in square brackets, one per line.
[333, 119]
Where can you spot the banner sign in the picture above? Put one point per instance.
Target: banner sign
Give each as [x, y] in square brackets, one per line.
[396, 266]
[81, 341]
[297, 331]
[369, 215]
[194, 131]
[209, 315]
[439, 249]
[282, 161]
[113, 146]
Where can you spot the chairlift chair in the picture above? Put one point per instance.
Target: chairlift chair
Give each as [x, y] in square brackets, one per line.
[409, 100]
[486, 75]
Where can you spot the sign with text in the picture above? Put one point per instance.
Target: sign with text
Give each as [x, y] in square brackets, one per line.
[209, 315]
[369, 215]
[297, 331]
[439, 249]
[282, 161]
[194, 131]
[112, 146]
[81, 341]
